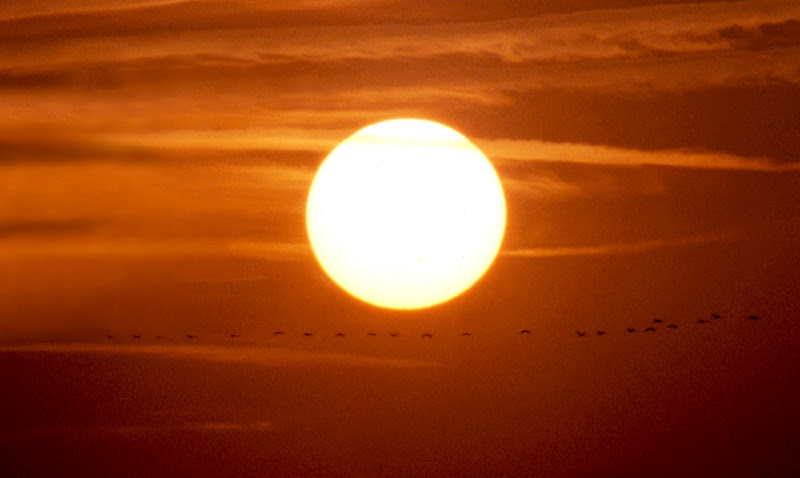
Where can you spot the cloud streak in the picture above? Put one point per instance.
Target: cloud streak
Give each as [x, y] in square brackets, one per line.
[261, 426]
[144, 248]
[612, 249]
[544, 151]
[268, 357]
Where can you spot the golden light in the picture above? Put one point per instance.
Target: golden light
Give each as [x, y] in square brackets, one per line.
[406, 214]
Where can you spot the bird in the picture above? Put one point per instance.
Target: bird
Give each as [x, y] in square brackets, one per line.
[658, 321]
[672, 326]
[753, 317]
[159, 337]
[650, 329]
[234, 336]
[701, 321]
[525, 331]
[581, 334]
[190, 336]
[631, 330]
[307, 334]
[716, 316]
[136, 336]
[277, 332]
[426, 336]
[340, 335]
[466, 334]
[601, 332]
[109, 337]
[393, 334]
[371, 334]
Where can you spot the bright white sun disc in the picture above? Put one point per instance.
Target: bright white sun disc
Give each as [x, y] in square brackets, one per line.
[406, 214]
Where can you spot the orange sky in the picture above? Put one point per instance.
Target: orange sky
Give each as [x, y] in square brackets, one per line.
[155, 158]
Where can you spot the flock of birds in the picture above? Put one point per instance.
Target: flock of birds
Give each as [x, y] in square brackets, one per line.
[427, 335]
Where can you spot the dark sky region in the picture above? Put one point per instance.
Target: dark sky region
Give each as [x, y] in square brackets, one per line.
[155, 158]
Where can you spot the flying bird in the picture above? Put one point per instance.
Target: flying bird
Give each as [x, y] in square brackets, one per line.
[658, 321]
[701, 321]
[672, 326]
[427, 336]
[136, 336]
[277, 332]
[109, 336]
[466, 334]
[371, 334]
[650, 329]
[581, 334]
[753, 317]
[601, 332]
[631, 330]
[307, 334]
[190, 336]
[716, 316]
[159, 337]
[340, 335]
[525, 331]
[234, 336]
[393, 335]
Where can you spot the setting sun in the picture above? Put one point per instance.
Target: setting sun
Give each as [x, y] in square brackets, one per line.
[406, 214]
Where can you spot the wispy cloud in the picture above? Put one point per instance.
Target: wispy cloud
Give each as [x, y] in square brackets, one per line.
[324, 140]
[613, 249]
[150, 248]
[534, 150]
[334, 34]
[271, 357]
[36, 228]
[259, 426]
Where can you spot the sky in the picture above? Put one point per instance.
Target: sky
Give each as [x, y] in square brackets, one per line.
[155, 160]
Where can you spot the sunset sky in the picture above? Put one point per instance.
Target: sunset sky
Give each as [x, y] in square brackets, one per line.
[155, 160]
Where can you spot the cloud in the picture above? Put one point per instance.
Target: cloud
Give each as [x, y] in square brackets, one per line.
[48, 228]
[612, 249]
[265, 425]
[337, 38]
[268, 357]
[322, 141]
[148, 428]
[746, 122]
[150, 248]
[536, 151]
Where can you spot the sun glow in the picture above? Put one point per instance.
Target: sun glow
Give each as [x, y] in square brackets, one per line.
[406, 214]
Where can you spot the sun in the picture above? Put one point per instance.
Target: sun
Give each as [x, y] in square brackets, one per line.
[406, 214]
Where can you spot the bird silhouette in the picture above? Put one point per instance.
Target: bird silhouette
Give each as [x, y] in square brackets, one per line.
[525, 331]
[190, 336]
[234, 336]
[307, 334]
[159, 337]
[753, 317]
[631, 330]
[426, 336]
[716, 316]
[109, 336]
[136, 336]
[371, 334]
[393, 334]
[672, 326]
[277, 332]
[340, 335]
[701, 321]
[581, 334]
[658, 321]
[601, 332]
[650, 329]
[466, 334]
